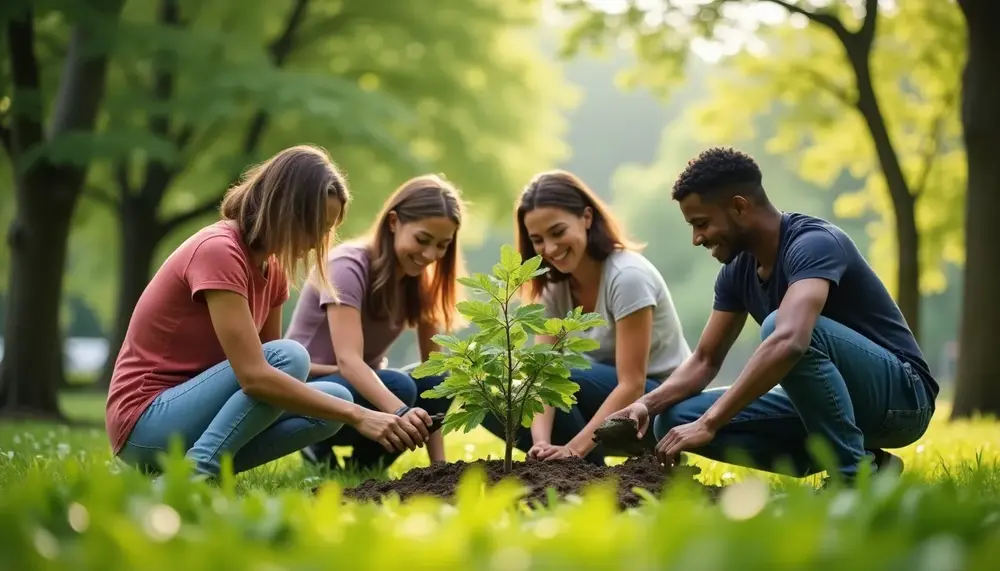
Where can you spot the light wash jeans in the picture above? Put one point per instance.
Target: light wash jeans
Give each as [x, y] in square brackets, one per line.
[213, 417]
[846, 389]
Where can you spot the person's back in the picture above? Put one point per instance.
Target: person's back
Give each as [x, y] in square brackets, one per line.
[857, 298]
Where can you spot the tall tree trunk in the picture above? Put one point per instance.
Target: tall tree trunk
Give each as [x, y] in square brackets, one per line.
[977, 385]
[32, 368]
[140, 232]
[46, 195]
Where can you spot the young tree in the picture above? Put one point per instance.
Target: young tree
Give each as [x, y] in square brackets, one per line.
[493, 371]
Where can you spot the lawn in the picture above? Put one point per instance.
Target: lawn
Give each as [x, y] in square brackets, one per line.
[65, 504]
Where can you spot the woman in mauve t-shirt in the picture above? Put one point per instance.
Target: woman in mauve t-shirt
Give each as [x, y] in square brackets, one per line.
[592, 266]
[203, 365]
[403, 274]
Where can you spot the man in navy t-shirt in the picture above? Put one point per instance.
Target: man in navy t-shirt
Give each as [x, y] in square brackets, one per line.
[836, 360]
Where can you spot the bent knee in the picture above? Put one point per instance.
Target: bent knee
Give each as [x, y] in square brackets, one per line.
[683, 412]
[333, 389]
[289, 356]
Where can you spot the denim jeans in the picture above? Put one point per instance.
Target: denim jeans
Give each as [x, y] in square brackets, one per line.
[367, 453]
[596, 383]
[846, 390]
[213, 416]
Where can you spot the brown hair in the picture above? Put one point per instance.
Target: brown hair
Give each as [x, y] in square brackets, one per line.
[431, 297]
[565, 191]
[280, 208]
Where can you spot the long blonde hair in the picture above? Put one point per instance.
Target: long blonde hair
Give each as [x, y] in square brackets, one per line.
[431, 297]
[280, 208]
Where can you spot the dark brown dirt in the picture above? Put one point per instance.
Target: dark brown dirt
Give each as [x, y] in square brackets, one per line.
[566, 476]
[619, 437]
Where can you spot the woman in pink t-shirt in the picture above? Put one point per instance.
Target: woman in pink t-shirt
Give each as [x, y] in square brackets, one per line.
[203, 364]
[403, 274]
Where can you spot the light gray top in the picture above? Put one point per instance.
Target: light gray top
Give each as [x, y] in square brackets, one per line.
[629, 282]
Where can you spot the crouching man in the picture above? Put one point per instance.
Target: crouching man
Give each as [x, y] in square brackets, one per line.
[836, 358]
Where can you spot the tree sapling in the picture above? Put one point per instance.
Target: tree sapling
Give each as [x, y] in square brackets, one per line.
[493, 370]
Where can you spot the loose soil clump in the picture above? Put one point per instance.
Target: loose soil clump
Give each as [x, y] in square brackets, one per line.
[567, 476]
[619, 437]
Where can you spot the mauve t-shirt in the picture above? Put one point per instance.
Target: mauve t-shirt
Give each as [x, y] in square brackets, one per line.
[170, 337]
[347, 268]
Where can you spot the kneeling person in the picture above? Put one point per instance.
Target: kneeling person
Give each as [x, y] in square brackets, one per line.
[836, 360]
[403, 274]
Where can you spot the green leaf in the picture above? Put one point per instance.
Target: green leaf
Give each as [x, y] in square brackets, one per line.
[510, 259]
[430, 367]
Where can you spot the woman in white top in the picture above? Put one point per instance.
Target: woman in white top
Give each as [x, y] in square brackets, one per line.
[591, 264]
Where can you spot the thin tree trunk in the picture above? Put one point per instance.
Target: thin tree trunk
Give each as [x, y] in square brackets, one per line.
[140, 232]
[858, 47]
[46, 196]
[977, 387]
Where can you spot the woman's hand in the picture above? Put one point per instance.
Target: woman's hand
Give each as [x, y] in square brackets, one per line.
[538, 448]
[392, 432]
[557, 452]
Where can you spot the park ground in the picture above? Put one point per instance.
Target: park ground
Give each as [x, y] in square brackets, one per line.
[65, 504]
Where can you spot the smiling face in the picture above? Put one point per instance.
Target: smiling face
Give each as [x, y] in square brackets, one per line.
[559, 236]
[419, 243]
[717, 226]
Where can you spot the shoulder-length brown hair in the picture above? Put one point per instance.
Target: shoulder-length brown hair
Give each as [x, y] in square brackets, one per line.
[565, 191]
[430, 297]
[280, 208]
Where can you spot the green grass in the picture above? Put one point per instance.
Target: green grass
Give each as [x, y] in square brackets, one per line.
[65, 504]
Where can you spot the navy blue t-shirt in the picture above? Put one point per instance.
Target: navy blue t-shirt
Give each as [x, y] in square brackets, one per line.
[811, 247]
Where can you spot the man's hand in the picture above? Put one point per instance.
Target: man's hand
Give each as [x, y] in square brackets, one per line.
[684, 437]
[391, 431]
[637, 413]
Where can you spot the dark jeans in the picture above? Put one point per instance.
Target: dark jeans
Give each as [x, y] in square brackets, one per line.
[596, 383]
[369, 453]
[852, 393]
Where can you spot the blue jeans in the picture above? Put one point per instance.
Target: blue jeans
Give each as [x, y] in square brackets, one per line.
[213, 417]
[596, 383]
[367, 453]
[846, 390]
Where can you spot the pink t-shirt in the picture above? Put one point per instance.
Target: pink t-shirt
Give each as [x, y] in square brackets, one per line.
[170, 337]
[347, 269]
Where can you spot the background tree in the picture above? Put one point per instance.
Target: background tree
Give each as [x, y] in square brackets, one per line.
[389, 91]
[978, 390]
[47, 133]
[662, 33]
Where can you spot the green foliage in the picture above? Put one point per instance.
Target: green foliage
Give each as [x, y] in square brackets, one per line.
[64, 506]
[494, 370]
[776, 63]
[390, 90]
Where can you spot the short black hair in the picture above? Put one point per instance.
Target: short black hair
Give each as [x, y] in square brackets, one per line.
[719, 168]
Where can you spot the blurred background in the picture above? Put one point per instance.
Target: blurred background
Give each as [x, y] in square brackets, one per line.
[129, 119]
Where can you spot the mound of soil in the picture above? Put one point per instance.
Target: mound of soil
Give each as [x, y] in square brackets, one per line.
[567, 476]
